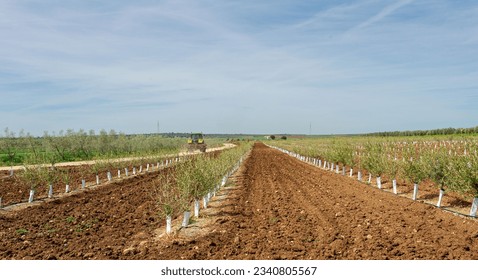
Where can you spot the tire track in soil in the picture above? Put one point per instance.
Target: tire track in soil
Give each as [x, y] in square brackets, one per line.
[286, 209]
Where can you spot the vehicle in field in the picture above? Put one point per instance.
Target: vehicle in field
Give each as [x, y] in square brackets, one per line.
[196, 142]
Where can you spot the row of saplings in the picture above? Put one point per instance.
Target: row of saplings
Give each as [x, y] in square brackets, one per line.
[457, 173]
[39, 176]
[196, 179]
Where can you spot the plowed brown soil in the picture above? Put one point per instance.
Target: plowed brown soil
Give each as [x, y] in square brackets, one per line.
[277, 208]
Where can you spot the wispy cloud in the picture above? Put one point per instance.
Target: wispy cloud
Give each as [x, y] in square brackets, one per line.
[383, 13]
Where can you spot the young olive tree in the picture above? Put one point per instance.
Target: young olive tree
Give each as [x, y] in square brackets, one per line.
[33, 176]
[392, 169]
[96, 168]
[185, 183]
[203, 175]
[66, 177]
[52, 176]
[170, 198]
[464, 170]
[345, 156]
[85, 171]
[414, 171]
[374, 161]
[358, 163]
[437, 165]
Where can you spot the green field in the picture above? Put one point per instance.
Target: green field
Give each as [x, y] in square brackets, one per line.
[77, 146]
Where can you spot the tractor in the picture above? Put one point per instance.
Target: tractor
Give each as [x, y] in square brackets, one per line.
[196, 142]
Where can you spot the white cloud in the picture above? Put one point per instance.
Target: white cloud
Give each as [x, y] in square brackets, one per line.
[383, 13]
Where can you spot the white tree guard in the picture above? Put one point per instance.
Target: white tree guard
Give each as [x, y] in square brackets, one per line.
[168, 224]
[97, 179]
[379, 182]
[196, 208]
[83, 183]
[67, 188]
[32, 194]
[394, 186]
[50, 191]
[474, 207]
[186, 217]
[440, 198]
[415, 191]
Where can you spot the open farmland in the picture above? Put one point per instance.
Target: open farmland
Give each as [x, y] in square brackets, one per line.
[274, 207]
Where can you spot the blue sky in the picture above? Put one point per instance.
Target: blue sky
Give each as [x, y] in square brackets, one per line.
[244, 66]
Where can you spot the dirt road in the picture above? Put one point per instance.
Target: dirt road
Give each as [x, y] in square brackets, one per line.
[276, 207]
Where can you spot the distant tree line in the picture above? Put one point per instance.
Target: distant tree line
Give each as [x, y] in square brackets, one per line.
[442, 131]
